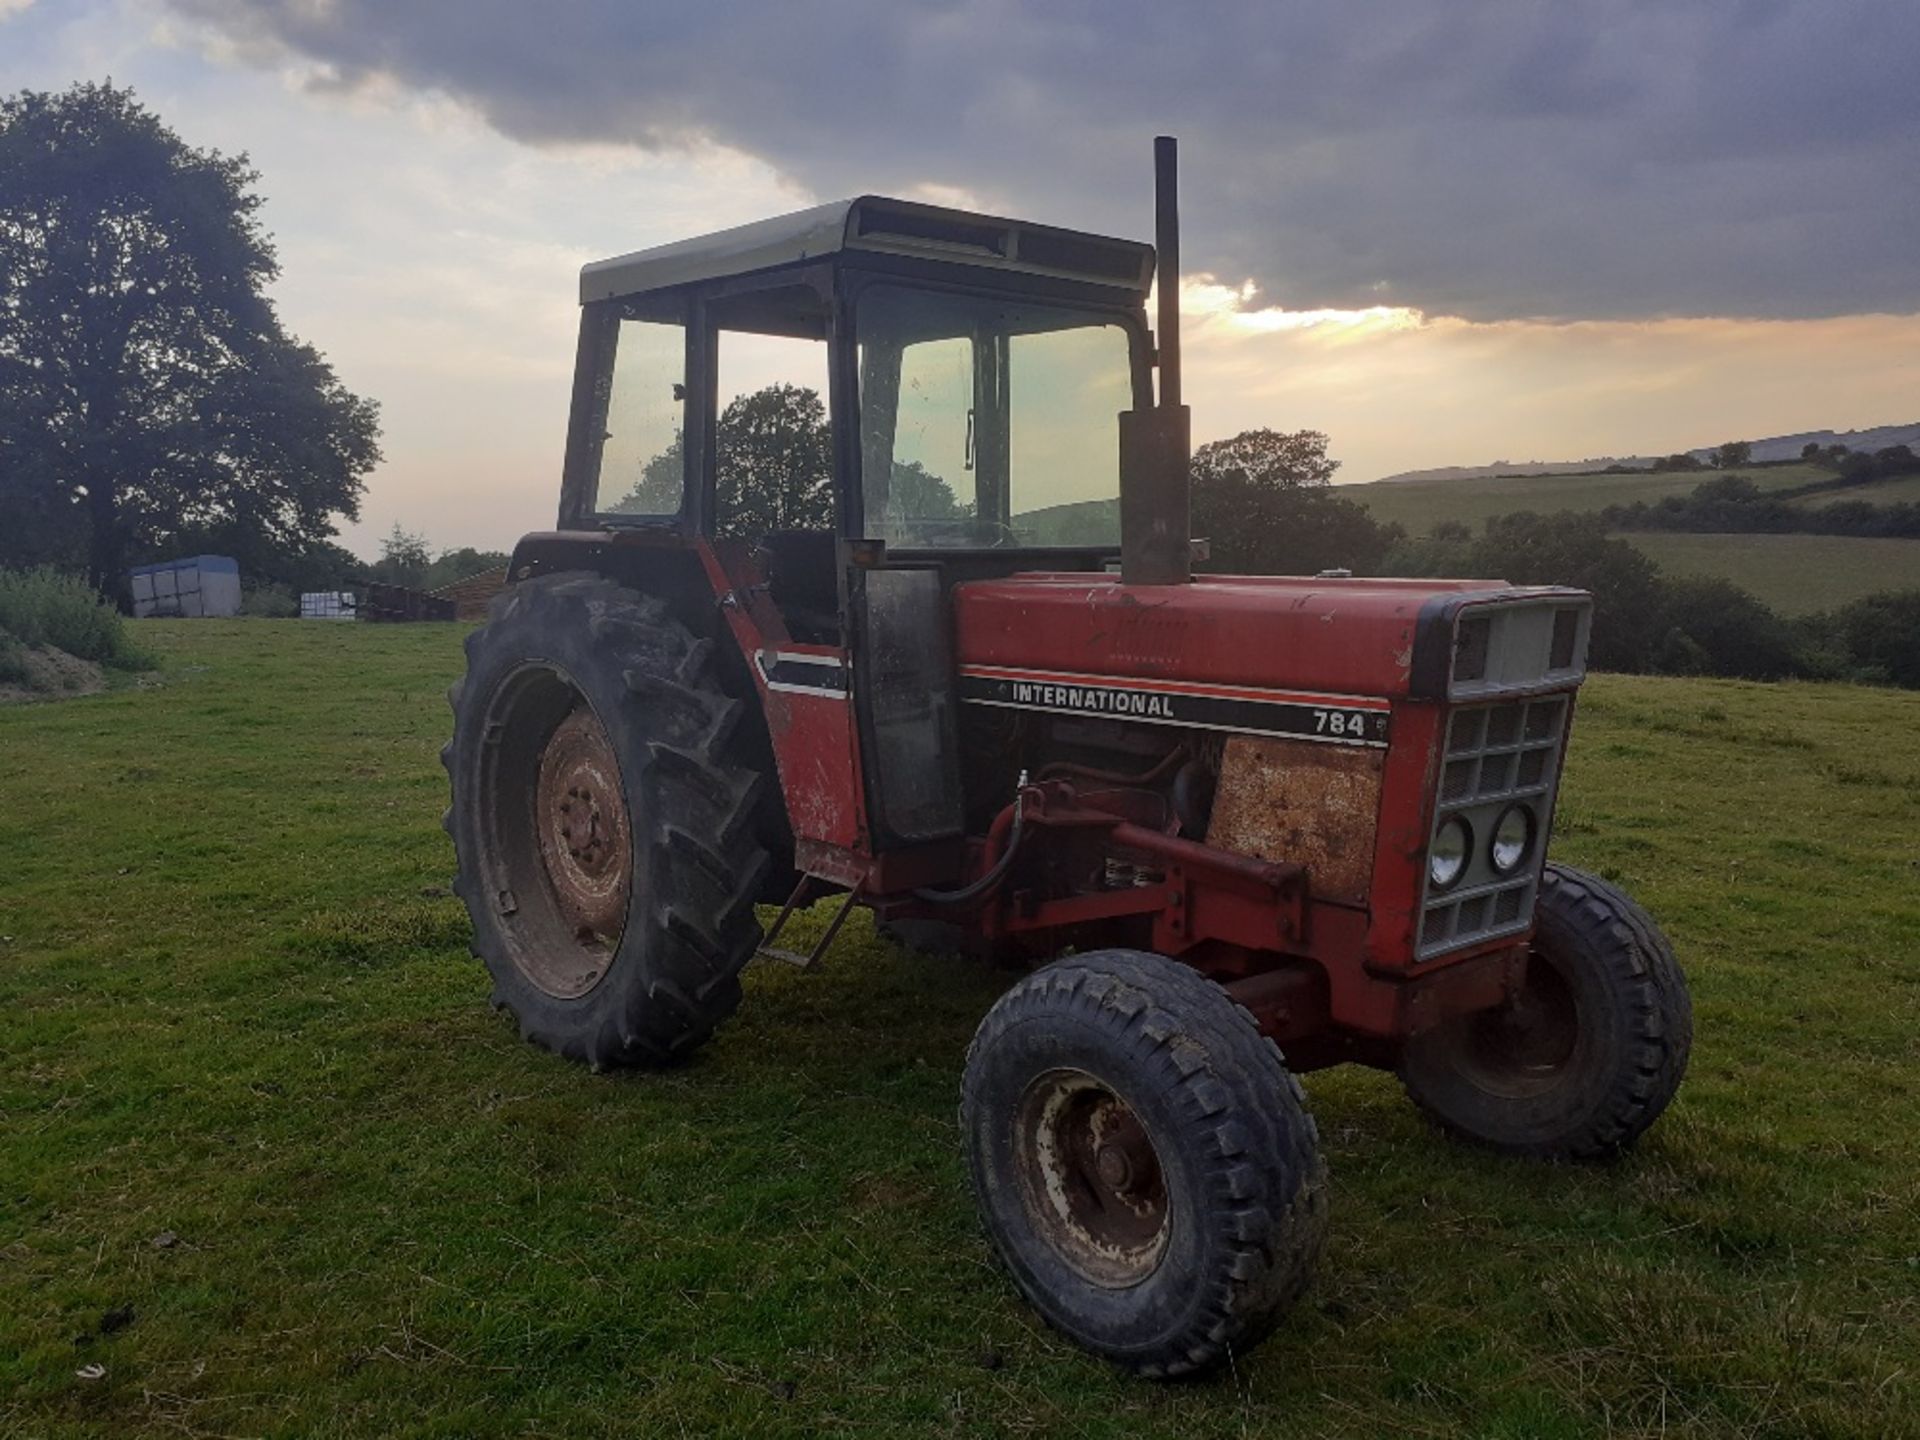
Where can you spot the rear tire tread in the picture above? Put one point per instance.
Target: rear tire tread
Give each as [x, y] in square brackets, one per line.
[693, 896]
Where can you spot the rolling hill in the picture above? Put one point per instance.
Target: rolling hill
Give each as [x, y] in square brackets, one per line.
[1419, 505]
[1770, 450]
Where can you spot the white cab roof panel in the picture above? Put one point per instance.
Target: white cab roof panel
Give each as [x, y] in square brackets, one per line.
[874, 224]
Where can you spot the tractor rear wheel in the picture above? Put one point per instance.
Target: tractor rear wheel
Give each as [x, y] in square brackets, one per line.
[603, 821]
[1143, 1161]
[1587, 1055]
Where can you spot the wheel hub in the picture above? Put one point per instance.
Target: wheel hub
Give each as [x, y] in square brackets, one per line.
[581, 817]
[1523, 1047]
[1091, 1178]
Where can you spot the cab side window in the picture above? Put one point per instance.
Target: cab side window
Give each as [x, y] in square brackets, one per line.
[642, 446]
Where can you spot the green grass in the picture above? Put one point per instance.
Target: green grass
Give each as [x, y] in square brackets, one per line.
[1794, 574]
[1419, 505]
[239, 1010]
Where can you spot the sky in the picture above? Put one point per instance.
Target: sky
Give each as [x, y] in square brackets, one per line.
[1442, 233]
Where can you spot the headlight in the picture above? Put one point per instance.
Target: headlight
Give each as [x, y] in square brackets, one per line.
[1512, 839]
[1447, 860]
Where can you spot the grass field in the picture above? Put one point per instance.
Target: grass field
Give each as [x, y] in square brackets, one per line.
[1794, 574]
[1897, 490]
[268, 1160]
[1419, 505]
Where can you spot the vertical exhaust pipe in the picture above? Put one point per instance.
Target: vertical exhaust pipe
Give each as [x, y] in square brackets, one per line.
[1156, 544]
[1166, 246]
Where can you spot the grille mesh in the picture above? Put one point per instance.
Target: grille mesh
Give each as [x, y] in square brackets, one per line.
[1496, 755]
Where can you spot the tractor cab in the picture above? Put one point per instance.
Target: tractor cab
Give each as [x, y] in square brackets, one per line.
[846, 413]
[970, 373]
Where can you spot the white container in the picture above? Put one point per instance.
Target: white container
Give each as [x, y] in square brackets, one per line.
[327, 605]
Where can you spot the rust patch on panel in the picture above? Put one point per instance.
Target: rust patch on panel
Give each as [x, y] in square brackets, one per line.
[1299, 801]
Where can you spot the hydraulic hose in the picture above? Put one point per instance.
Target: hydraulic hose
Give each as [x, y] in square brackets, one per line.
[975, 889]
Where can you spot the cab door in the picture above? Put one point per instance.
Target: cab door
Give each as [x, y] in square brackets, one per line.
[904, 698]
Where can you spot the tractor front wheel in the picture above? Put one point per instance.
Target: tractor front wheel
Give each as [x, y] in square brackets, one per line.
[1143, 1161]
[1586, 1056]
[604, 822]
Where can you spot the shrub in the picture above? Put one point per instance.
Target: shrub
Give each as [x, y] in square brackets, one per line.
[1722, 630]
[1630, 610]
[13, 661]
[268, 601]
[44, 607]
[1881, 637]
[1643, 621]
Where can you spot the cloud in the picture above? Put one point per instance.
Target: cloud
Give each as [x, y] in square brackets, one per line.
[1486, 158]
[1403, 390]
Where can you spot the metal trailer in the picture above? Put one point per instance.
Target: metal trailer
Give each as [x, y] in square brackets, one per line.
[197, 586]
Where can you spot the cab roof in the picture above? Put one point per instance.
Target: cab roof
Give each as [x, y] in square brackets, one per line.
[875, 224]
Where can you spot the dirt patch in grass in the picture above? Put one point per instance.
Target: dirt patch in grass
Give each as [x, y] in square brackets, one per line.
[44, 673]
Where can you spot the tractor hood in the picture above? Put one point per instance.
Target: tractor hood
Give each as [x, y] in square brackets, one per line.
[1334, 637]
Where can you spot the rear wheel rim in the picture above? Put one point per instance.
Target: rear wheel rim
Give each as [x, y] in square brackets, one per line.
[1091, 1178]
[581, 816]
[560, 855]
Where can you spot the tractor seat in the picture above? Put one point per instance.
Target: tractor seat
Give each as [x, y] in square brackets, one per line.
[800, 567]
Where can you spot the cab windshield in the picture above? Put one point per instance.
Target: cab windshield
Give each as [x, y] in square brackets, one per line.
[989, 423]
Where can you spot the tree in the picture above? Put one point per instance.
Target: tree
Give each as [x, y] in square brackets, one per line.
[1734, 452]
[1643, 620]
[774, 463]
[404, 558]
[1882, 637]
[657, 491]
[1713, 627]
[1263, 502]
[774, 466]
[916, 493]
[453, 566]
[148, 387]
[1681, 461]
[1271, 458]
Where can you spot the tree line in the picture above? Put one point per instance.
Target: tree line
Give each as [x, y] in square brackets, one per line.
[1734, 505]
[1265, 500]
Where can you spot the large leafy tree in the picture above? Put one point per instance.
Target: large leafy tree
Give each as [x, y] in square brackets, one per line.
[1263, 502]
[775, 463]
[774, 466]
[148, 393]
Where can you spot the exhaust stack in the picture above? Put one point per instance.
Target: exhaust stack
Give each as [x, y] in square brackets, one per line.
[1166, 246]
[1156, 544]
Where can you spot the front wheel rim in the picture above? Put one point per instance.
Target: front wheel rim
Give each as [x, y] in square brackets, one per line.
[1525, 1047]
[1090, 1178]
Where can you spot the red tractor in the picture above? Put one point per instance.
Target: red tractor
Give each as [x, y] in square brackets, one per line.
[969, 680]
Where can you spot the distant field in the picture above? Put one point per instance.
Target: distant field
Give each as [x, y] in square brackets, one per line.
[1795, 574]
[1901, 489]
[272, 1167]
[1419, 505]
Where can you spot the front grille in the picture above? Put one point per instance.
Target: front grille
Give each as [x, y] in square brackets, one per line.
[1497, 755]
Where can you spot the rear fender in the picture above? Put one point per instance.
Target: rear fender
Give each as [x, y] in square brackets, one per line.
[802, 733]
